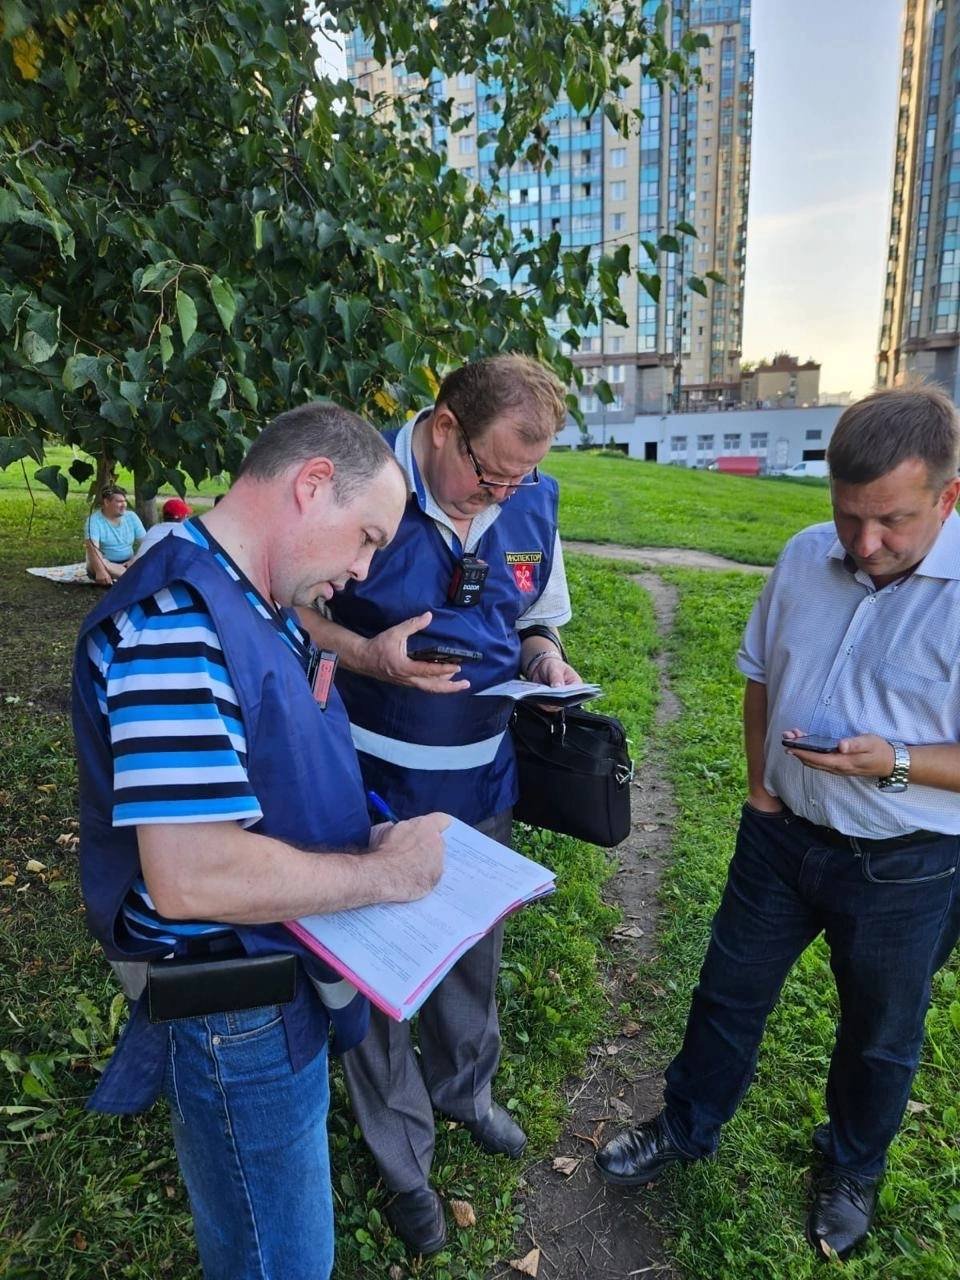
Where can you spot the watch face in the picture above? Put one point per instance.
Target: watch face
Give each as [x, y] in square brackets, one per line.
[886, 785]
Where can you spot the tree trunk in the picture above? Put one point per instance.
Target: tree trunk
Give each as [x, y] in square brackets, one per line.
[146, 508]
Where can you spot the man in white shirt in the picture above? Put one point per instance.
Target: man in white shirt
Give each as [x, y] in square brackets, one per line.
[855, 639]
[476, 568]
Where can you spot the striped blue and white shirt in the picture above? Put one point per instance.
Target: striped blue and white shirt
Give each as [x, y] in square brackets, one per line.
[179, 745]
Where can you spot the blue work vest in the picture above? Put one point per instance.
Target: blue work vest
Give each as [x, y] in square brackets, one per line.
[426, 751]
[302, 768]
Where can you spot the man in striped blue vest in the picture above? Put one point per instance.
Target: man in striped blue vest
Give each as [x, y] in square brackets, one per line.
[220, 795]
[475, 564]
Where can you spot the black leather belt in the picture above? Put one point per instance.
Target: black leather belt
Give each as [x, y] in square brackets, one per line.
[863, 844]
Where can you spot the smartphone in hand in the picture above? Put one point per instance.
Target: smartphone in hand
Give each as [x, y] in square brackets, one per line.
[813, 742]
[444, 653]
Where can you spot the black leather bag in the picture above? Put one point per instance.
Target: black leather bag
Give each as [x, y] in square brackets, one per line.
[575, 773]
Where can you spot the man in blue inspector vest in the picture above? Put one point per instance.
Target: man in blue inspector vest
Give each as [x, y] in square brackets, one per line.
[220, 794]
[476, 564]
[851, 825]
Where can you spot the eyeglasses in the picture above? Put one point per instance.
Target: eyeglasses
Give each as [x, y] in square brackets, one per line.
[527, 482]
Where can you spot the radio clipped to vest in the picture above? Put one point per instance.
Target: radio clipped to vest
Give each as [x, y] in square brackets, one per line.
[466, 585]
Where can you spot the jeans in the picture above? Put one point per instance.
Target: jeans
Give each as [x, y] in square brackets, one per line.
[886, 916]
[251, 1140]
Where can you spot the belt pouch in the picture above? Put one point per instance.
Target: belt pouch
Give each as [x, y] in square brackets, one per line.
[188, 987]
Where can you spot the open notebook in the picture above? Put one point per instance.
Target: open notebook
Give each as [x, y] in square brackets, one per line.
[397, 952]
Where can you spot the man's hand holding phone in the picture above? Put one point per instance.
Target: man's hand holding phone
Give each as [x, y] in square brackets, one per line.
[867, 755]
[386, 657]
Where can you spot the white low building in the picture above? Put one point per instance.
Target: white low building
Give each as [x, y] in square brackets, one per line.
[780, 437]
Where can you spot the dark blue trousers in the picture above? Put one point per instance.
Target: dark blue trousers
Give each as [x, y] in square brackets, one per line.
[890, 920]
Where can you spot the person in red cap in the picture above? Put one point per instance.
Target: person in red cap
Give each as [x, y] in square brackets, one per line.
[176, 509]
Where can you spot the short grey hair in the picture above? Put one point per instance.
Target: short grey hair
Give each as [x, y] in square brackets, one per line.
[883, 430]
[480, 392]
[319, 430]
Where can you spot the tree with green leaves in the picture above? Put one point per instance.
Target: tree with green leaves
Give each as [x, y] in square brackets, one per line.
[199, 228]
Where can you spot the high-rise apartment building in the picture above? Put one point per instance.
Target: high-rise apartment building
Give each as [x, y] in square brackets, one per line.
[689, 161]
[920, 330]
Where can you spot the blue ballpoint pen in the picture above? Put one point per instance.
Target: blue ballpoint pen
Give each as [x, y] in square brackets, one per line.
[382, 807]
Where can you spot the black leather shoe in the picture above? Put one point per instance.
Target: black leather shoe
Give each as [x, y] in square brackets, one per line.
[841, 1214]
[417, 1218]
[638, 1156]
[498, 1133]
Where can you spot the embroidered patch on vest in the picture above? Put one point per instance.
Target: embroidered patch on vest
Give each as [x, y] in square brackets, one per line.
[522, 563]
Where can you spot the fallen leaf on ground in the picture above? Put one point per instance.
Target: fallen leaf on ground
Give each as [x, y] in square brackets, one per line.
[612, 1049]
[46, 787]
[651, 826]
[463, 1214]
[528, 1265]
[8, 880]
[623, 1111]
[34, 865]
[79, 1241]
[395, 1272]
[630, 1029]
[916, 1108]
[566, 1164]
[628, 931]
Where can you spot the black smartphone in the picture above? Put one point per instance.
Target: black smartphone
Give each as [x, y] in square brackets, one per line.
[813, 742]
[444, 653]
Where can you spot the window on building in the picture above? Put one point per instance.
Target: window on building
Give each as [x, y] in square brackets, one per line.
[464, 80]
[466, 144]
[813, 435]
[585, 189]
[617, 221]
[678, 444]
[614, 346]
[614, 372]
[705, 444]
[758, 441]
[731, 442]
[618, 191]
[618, 158]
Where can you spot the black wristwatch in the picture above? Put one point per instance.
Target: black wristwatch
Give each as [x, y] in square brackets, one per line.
[897, 780]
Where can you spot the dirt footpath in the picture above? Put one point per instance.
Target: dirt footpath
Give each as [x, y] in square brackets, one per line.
[657, 557]
[584, 1229]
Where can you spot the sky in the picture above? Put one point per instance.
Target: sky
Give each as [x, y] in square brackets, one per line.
[824, 117]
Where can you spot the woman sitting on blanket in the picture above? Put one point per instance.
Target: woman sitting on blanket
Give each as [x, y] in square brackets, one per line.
[110, 536]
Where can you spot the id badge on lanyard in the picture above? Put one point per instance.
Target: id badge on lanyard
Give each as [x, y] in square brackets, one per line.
[321, 668]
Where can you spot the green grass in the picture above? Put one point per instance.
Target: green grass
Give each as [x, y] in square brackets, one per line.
[19, 476]
[610, 498]
[85, 1196]
[742, 1215]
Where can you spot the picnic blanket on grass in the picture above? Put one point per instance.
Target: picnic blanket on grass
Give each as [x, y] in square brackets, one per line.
[71, 575]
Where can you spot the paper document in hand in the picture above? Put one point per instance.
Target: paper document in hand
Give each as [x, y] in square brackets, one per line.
[569, 695]
[397, 952]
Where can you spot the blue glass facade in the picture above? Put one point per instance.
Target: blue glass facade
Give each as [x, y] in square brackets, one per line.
[605, 190]
[920, 330]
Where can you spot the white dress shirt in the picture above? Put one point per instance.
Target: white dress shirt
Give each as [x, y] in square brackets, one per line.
[840, 657]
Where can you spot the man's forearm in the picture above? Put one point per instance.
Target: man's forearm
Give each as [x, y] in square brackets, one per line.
[755, 735]
[330, 635]
[937, 765]
[219, 871]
